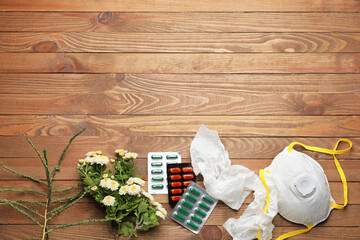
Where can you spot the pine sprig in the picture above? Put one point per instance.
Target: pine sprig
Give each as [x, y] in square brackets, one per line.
[11, 204]
[57, 167]
[67, 189]
[49, 210]
[21, 190]
[78, 223]
[21, 174]
[70, 198]
[31, 202]
[66, 205]
[38, 153]
[22, 205]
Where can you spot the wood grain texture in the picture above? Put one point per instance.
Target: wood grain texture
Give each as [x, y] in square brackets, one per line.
[184, 102]
[178, 63]
[227, 126]
[224, 84]
[156, 22]
[238, 147]
[178, 42]
[164, 232]
[180, 5]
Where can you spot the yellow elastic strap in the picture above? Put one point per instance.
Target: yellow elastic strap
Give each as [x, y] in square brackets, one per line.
[294, 233]
[262, 178]
[337, 164]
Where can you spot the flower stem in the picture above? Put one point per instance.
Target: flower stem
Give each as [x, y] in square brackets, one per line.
[135, 229]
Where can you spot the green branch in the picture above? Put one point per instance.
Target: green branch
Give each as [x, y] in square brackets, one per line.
[57, 167]
[21, 175]
[21, 190]
[21, 205]
[32, 202]
[38, 153]
[78, 223]
[69, 199]
[67, 189]
[63, 199]
[65, 206]
[29, 211]
[22, 211]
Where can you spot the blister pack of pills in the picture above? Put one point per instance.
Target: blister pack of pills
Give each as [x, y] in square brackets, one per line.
[179, 176]
[194, 208]
[157, 177]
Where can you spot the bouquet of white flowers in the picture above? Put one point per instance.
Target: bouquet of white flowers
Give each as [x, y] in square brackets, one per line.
[111, 183]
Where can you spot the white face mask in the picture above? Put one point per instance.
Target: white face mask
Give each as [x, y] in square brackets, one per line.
[304, 195]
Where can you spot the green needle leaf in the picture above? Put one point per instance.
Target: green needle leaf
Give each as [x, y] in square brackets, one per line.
[21, 175]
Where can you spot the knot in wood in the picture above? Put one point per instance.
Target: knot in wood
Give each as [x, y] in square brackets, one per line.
[45, 47]
[105, 17]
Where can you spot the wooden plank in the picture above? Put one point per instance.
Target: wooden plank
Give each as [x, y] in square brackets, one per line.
[165, 125]
[178, 22]
[238, 147]
[182, 102]
[31, 166]
[145, 94]
[164, 232]
[81, 211]
[180, 5]
[176, 83]
[336, 191]
[179, 42]
[178, 63]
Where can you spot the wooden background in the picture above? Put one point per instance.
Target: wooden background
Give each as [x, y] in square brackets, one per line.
[144, 75]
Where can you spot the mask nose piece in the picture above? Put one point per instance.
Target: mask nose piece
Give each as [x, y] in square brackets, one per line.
[304, 186]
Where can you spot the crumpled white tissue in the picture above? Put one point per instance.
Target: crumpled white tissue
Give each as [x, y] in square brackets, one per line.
[232, 184]
[253, 219]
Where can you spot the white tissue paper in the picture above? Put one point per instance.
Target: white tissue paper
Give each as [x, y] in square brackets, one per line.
[232, 184]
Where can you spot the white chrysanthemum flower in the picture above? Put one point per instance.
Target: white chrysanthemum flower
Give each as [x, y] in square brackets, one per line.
[104, 182]
[148, 195]
[108, 201]
[100, 159]
[157, 205]
[127, 156]
[81, 161]
[112, 160]
[89, 160]
[113, 185]
[93, 153]
[130, 181]
[134, 189]
[130, 155]
[112, 177]
[124, 189]
[139, 181]
[121, 152]
[134, 155]
[161, 209]
[94, 188]
[160, 214]
[105, 175]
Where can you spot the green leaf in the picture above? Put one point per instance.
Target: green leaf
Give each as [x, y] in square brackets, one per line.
[142, 207]
[88, 181]
[126, 229]
[125, 176]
